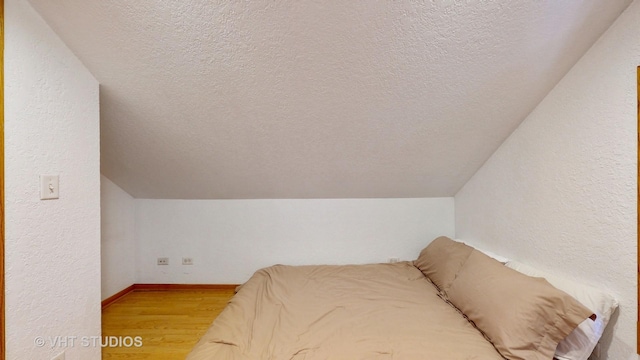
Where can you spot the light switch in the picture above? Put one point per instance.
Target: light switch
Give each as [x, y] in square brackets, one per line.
[49, 187]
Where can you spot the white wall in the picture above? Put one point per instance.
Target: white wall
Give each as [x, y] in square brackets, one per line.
[560, 193]
[118, 238]
[52, 247]
[230, 239]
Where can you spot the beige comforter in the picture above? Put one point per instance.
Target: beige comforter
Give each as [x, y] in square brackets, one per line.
[382, 311]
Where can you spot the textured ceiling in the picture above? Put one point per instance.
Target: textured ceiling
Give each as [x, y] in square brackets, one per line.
[317, 99]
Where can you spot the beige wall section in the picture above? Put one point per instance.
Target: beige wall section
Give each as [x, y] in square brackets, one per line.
[52, 247]
[118, 238]
[560, 193]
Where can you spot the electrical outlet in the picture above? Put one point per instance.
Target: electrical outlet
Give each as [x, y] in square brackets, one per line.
[59, 356]
[394, 260]
[163, 261]
[187, 261]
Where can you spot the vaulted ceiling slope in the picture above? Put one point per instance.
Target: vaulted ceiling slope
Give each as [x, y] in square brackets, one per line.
[207, 99]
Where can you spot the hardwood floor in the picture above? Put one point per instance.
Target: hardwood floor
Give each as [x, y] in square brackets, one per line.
[170, 322]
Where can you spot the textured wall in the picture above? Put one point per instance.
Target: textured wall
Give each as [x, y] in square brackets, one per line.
[560, 193]
[230, 239]
[52, 247]
[118, 238]
[212, 99]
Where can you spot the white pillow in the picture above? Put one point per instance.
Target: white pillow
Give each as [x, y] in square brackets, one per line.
[579, 344]
[497, 257]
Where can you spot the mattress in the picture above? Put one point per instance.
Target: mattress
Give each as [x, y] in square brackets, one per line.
[379, 311]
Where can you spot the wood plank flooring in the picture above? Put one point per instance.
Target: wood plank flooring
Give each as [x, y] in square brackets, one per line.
[170, 322]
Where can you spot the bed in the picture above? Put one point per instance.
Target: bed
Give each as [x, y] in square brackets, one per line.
[448, 304]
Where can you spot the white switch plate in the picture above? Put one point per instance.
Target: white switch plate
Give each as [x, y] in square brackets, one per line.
[187, 261]
[49, 187]
[59, 356]
[163, 261]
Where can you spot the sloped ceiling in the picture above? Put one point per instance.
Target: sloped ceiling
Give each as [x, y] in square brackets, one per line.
[210, 99]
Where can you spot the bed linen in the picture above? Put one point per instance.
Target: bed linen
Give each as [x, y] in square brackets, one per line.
[378, 311]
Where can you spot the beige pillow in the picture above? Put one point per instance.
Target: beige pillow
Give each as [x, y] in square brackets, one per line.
[524, 317]
[441, 260]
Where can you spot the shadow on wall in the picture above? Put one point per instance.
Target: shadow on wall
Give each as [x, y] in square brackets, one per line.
[607, 338]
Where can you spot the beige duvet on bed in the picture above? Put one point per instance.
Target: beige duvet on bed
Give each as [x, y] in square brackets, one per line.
[381, 311]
